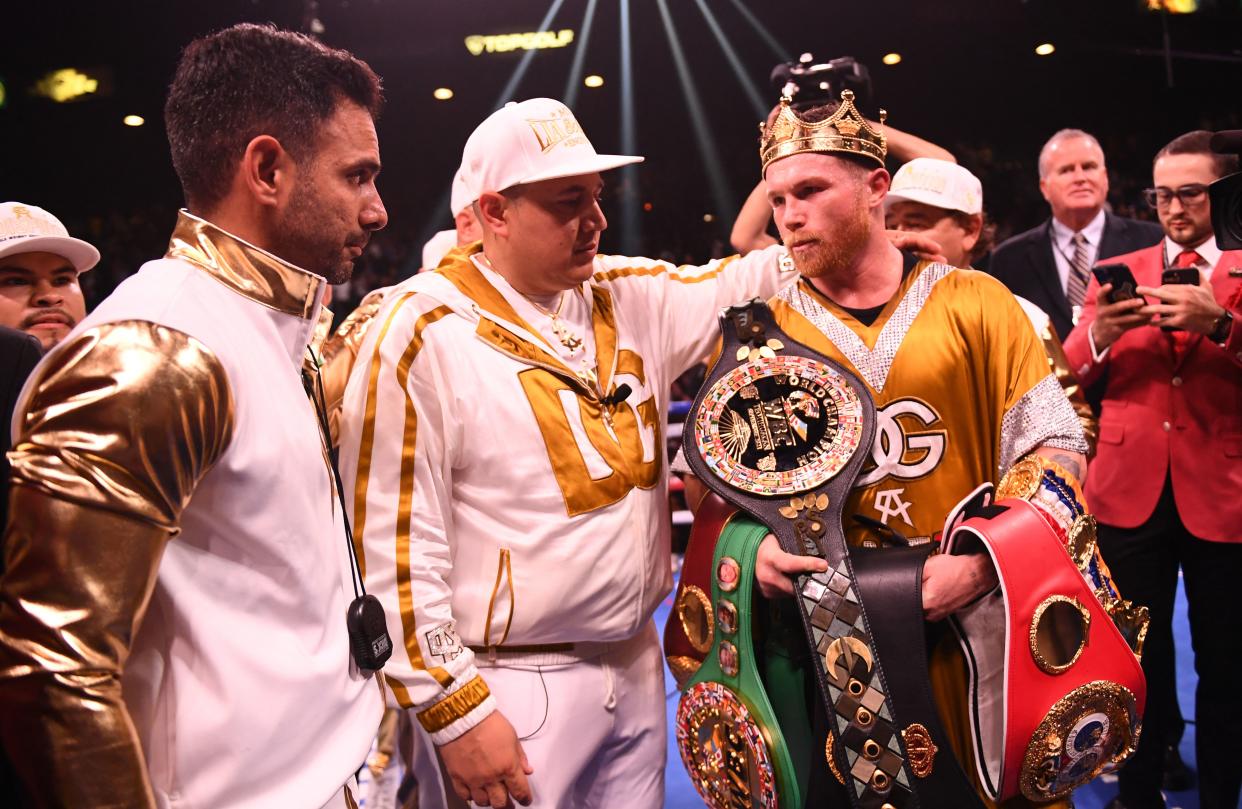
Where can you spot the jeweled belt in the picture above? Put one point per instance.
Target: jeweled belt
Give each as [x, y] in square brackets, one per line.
[782, 432]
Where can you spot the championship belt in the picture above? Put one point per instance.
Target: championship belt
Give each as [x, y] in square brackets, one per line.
[1056, 691]
[782, 433]
[742, 724]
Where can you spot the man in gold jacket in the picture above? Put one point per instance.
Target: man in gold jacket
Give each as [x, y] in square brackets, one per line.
[961, 384]
[172, 618]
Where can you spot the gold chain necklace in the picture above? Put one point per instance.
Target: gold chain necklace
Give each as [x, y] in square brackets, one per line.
[571, 341]
[567, 338]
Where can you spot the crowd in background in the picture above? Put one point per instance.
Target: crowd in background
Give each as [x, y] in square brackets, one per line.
[672, 230]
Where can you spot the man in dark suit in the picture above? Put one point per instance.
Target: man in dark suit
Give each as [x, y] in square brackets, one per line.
[1050, 264]
[1168, 467]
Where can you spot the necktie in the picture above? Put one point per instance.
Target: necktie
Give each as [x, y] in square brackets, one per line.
[1076, 284]
[1181, 339]
[1187, 258]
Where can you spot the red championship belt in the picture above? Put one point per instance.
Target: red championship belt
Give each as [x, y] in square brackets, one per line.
[1056, 691]
[691, 626]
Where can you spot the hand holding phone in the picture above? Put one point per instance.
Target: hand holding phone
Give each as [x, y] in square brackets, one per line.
[1120, 277]
[1112, 321]
[1179, 275]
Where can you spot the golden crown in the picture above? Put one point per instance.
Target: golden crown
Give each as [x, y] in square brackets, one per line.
[846, 131]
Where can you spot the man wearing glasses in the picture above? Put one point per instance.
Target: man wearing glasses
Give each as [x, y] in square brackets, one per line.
[1165, 480]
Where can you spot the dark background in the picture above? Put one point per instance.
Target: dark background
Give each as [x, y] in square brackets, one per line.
[969, 80]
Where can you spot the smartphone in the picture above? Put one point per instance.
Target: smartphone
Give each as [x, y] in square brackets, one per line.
[1120, 277]
[1185, 275]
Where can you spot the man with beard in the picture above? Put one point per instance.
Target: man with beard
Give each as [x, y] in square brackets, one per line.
[1167, 473]
[172, 623]
[959, 378]
[39, 268]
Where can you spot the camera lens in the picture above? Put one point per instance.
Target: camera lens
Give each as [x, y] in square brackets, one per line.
[1226, 195]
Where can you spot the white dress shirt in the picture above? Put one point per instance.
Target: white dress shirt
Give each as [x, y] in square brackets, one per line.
[1063, 245]
[1209, 255]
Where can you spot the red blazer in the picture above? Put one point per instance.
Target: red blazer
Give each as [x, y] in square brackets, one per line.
[1165, 417]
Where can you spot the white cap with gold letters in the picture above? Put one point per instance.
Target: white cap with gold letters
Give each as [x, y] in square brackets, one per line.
[528, 141]
[29, 229]
[938, 183]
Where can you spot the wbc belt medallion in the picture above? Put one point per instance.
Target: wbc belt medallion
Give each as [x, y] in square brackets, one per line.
[778, 425]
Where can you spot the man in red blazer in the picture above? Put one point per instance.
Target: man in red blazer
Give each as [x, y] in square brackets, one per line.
[1166, 481]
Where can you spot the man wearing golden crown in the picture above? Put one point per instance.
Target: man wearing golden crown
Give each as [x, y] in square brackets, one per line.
[960, 382]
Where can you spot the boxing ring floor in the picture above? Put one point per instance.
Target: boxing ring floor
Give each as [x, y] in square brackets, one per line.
[680, 794]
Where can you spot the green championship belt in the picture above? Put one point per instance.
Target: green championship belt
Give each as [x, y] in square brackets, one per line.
[740, 748]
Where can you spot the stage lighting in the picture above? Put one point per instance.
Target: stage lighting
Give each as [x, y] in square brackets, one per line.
[593, 81]
[443, 94]
[1045, 49]
[708, 218]
[66, 85]
[133, 120]
[891, 59]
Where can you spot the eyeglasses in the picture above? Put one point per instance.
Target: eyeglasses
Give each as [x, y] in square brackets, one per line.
[1188, 195]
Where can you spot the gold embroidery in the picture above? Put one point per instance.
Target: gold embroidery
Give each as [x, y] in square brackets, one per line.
[453, 707]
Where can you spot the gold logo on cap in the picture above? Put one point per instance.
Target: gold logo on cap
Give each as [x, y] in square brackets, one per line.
[561, 129]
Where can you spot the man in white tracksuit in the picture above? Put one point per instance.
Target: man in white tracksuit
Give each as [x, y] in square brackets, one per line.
[503, 435]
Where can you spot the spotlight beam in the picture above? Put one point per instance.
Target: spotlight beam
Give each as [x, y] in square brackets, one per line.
[574, 84]
[748, 84]
[780, 52]
[442, 203]
[506, 94]
[721, 196]
[631, 226]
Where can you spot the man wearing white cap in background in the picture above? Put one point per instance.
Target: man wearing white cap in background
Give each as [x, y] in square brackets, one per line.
[40, 296]
[39, 268]
[465, 226]
[503, 436]
[944, 202]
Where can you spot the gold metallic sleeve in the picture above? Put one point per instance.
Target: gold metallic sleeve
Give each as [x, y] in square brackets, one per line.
[339, 352]
[1069, 383]
[121, 425]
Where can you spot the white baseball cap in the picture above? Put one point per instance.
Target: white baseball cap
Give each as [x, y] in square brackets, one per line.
[938, 183]
[537, 139]
[460, 199]
[29, 229]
